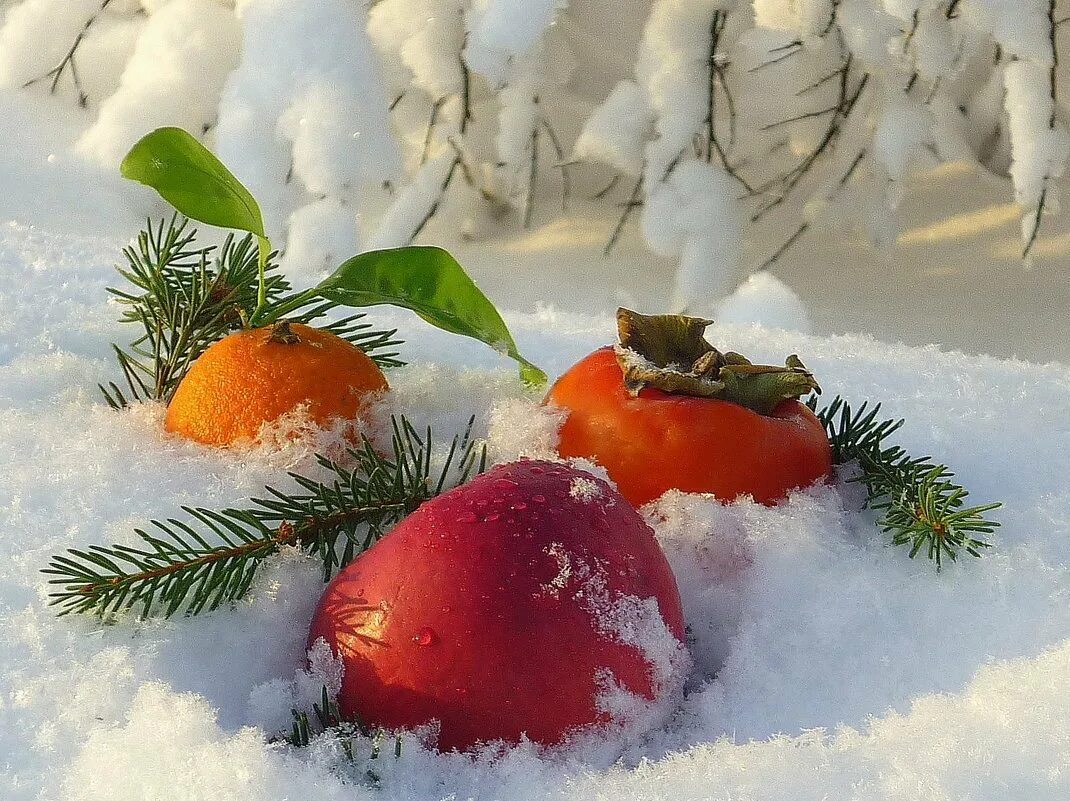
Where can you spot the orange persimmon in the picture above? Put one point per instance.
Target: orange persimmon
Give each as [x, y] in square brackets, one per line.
[652, 439]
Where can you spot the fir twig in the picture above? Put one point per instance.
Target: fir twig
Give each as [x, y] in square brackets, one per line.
[327, 720]
[920, 503]
[185, 298]
[209, 558]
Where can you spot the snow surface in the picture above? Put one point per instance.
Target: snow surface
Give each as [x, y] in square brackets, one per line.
[826, 663]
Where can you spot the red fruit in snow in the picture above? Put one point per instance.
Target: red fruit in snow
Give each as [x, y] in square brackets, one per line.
[532, 601]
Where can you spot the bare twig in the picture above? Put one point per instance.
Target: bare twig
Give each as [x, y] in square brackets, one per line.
[1052, 76]
[831, 134]
[436, 107]
[601, 193]
[566, 177]
[797, 117]
[792, 48]
[820, 82]
[433, 209]
[805, 225]
[466, 90]
[711, 88]
[68, 62]
[791, 240]
[533, 174]
[632, 203]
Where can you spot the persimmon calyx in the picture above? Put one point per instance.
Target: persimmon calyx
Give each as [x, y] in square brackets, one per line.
[670, 352]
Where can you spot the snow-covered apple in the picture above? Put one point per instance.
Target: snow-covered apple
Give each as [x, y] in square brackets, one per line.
[531, 602]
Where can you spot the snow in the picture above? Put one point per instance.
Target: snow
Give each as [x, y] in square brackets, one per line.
[825, 661]
[183, 56]
[615, 132]
[426, 37]
[763, 299]
[1039, 149]
[413, 204]
[502, 30]
[23, 57]
[903, 128]
[583, 489]
[304, 114]
[694, 214]
[805, 18]
[320, 236]
[673, 68]
[345, 102]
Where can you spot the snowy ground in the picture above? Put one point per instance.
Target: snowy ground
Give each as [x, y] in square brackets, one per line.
[834, 668]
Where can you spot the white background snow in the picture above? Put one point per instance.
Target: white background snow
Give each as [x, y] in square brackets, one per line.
[830, 667]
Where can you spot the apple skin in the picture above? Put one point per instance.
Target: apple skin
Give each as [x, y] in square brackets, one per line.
[486, 611]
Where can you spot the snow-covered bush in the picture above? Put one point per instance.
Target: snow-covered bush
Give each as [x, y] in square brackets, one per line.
[735, 128]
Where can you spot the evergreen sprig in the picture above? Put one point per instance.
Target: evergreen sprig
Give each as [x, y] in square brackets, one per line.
[185, 298]
[327, 720]
[208, 558]
[920, 502]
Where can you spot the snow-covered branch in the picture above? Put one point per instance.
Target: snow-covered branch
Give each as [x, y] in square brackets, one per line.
[735, 130]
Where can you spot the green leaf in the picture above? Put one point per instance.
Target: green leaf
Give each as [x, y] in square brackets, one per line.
[430, 282]
[189, 177]
[194, 181]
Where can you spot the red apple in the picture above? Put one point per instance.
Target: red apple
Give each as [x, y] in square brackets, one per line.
[533, 601]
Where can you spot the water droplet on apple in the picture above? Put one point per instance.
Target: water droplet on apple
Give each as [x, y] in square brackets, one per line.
[466, 517]
[424, 637]
[538, 499]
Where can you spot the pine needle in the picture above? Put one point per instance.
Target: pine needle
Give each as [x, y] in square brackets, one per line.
[326, 721]
[208, 558]
[185, 298]
[921, 505]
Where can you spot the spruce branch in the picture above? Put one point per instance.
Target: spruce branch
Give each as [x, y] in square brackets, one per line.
[327, 720]
[185, 298]
[209, 558]
[920, 503]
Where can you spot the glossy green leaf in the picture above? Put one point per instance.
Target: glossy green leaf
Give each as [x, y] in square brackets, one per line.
[189, 177]
[430, 282]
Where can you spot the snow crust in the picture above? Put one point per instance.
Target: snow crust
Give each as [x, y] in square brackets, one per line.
[826, 663]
